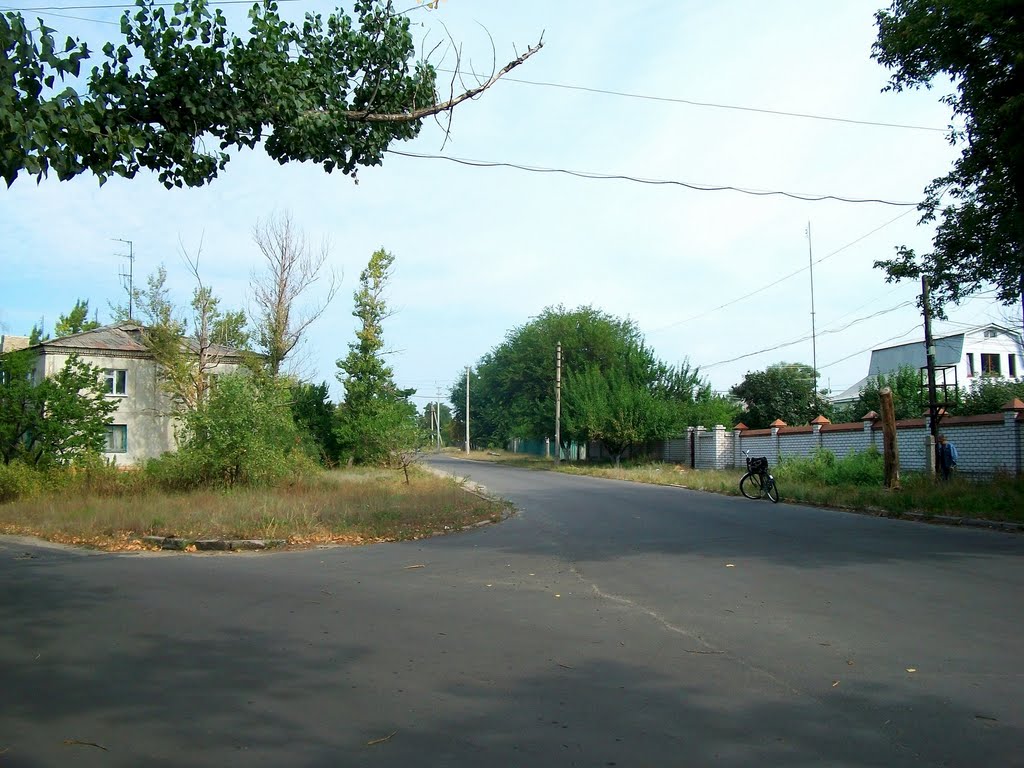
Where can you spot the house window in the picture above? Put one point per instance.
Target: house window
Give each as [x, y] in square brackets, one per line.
[117, 381]
[1011, 367]
[990, 334]
[970, 364]
[117, 438]
[990, 364]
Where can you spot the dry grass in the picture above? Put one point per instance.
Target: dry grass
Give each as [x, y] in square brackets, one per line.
[343, 506]
[999, 498]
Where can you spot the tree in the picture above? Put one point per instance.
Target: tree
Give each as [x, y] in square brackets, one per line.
[513, 386]
[618, 406]
[242, 434]
[334, 91]
[185, 349]
[37, 335]
[372, 419]
[75, 321]
[988, 394]
[292, 268]
[58, 420]
[781, 391]
[314, 413]
[979, 44]
[910, 400]
[433, 413]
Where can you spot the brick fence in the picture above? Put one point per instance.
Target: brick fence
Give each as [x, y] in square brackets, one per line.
[986, 444]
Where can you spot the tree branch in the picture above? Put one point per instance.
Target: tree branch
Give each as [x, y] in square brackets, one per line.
[368, 116]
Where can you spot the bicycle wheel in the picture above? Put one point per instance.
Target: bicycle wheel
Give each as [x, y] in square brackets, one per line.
[772, 489]
[750, 486]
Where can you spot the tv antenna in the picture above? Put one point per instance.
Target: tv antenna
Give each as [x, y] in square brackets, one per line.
[127, 278]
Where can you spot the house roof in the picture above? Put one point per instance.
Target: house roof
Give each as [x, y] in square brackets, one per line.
[123, 338]
[13, 343]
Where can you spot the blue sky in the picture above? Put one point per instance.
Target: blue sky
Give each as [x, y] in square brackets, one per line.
[482, 250]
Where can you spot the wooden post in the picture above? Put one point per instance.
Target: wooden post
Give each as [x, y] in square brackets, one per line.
[890, 451]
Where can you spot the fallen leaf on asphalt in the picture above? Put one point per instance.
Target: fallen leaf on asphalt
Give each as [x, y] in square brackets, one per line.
[381, 740]
[410, 567]
[911, 669]
[729, 565]
[835, 683]
[557, 595]
[849, 662]
[86, 744]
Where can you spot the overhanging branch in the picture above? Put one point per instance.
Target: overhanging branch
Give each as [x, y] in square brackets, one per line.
[369, 116]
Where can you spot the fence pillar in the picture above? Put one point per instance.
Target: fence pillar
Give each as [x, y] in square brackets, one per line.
[719, 446]
[1011, 421]
[699, 434]
[869, 420]
[737, 444]
[816, 426]
[776, 426]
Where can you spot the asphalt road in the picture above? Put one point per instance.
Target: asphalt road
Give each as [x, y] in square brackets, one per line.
[605, 624]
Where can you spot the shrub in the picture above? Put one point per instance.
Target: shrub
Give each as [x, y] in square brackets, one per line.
[19, 480]
[822, 466]
[243, 434]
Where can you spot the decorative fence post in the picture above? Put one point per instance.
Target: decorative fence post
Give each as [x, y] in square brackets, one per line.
[1012, 420]
[737, 444]
[776, 440]
[816, 426]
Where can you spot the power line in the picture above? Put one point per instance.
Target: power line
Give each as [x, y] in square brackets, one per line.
[76, 18]
[129, 6]
[782, 279]
[868, 349]
[802, 339]
[656, 182]
[710, 104]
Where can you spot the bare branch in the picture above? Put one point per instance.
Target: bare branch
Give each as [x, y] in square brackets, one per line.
[292, 268]
[368, 116]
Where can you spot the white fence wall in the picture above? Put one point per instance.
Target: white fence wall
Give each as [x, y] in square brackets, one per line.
[986, 444]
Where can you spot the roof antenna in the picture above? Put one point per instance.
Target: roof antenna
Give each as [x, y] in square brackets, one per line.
[127, 278]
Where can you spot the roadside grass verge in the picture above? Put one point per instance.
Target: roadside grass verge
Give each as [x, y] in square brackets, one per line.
[342, 506]
[1000, 498]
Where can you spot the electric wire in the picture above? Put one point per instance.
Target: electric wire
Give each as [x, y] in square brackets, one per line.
[782, 279]
[708, 104]
[805, 197]
[807, 337]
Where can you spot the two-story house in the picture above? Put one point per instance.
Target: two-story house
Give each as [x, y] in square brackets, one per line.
[143, 425]
[959, 358]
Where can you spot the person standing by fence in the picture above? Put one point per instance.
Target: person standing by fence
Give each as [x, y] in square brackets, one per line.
[947, 457]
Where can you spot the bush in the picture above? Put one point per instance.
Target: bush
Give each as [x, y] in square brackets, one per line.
[863, 468]
[243, 434]
[19, 480]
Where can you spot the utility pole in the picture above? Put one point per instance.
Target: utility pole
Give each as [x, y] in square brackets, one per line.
[558, 403]
[814, 335]
[467, 409]
[437, 406]
[128, 280]
[929, 345]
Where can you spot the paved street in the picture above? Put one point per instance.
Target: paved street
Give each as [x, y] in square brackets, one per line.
[605, 624]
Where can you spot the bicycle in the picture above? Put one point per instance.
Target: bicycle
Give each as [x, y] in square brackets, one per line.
[758, 481]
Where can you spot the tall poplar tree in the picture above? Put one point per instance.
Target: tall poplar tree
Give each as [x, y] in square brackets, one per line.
[373, 420]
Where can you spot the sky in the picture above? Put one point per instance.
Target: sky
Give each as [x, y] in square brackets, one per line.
[713, 278]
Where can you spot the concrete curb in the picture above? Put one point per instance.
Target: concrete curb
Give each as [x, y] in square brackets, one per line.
[177, 544]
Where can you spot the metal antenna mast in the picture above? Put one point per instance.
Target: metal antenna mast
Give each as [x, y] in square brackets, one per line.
[814, 335]
[128, 279]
